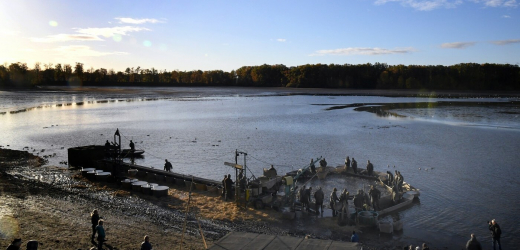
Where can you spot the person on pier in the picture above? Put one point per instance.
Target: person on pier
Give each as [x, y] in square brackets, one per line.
[347, 164]
[167, 166]
[370, 168]
[132, 146]
[333, 200]
[354, 165]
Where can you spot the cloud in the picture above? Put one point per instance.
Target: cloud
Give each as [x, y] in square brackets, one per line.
[498, 3]
[66, 37]
[424, 5]
[363, 51]
[506, 16]
[82, 51]
[281, 40]
[457, 45]
[110, 32]
[9, 32]
[506, 42]
[137, 21]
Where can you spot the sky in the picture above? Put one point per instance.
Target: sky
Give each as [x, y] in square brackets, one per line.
[226, 35]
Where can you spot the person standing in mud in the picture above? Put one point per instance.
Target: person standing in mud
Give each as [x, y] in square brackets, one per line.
[374, 194]
[168, 166]
[229, 187]
[100, 230]
[333, 200]
[319, 196]
[94, 219]
[370, 168]
[354, 165]
[347, 163]
[343, 199]
[146, 243]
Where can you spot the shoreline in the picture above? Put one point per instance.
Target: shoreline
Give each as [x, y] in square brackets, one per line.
[56, 213]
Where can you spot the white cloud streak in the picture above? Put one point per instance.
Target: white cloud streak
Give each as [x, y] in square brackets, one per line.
[281, 40]
[66, 38]
[82, 51]
[457, 45]
[363, 51]
[506, 16]
[137, 21]
[506, 42]
[110, 32]
[498, 3]
[424, 5]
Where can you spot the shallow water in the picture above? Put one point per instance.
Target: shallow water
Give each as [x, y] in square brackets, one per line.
[469, 151]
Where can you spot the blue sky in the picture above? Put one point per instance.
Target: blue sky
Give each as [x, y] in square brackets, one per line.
[208, 35]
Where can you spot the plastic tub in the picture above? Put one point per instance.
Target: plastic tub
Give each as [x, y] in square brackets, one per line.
[159, 191]
[103, 176]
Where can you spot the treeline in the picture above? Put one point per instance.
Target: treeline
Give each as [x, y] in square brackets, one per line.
[464, 76]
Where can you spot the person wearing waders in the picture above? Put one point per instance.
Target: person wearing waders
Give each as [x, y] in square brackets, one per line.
[229, 187]
[354, 165]
[343, 199]
[370, 168]
[94, 219]
[100, 234]
[374, 194]
[319, 196]
[495, 234]
[333, 200]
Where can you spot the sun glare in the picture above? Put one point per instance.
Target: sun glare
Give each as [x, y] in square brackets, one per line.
[53, 23]
[147, 43]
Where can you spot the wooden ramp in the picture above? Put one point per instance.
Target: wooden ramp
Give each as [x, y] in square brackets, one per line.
[239, 240]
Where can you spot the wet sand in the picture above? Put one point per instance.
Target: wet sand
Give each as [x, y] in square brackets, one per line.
[52, 205]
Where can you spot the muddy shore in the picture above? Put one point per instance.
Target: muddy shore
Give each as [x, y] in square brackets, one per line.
[52, 205]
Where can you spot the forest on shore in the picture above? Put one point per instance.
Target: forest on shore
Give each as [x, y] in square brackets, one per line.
[463, 76]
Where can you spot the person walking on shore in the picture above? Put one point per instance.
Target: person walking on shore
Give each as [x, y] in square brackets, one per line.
[473, 244]
[495, 234]
[146, 243]
[167, 166]
[94, 219]
[100, 230]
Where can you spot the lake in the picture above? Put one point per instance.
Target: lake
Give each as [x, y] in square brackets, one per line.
[461, 153]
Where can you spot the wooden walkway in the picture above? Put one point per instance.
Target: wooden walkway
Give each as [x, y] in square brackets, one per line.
[252, 241]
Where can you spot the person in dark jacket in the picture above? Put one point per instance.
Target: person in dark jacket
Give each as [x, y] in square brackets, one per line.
[146, 243]
[307, 198]
[374, 194]
[132, 145]
[94, 219]
[343, 200]
[390, 178]
[354, 237]
[224, 186]
[370, 168]
[229, 187]
[100, 230]
[473, 244]
[167, 166]
[347, 163]
[15, 244]
[425, 247]
[319, 196]
[313, 167]
[354, 165]
[495, 234]
[333, 200]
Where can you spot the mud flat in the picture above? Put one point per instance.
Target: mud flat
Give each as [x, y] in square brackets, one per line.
[52, 205]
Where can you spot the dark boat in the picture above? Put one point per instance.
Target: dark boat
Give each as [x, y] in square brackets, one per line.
[125, 153]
